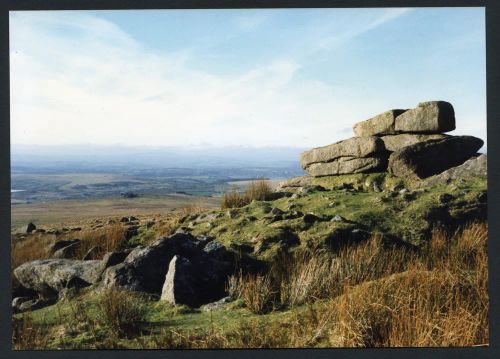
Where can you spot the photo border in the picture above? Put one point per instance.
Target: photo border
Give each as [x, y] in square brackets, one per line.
[493, 130]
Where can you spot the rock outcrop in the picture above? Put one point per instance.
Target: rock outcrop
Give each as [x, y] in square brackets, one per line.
[429, 158]
[408, 143]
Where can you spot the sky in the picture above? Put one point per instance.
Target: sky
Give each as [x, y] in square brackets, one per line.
[258, 78]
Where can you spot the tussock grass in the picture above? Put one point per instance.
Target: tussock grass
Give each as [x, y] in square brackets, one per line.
[122, 312]
[363, 296]
[386, 297]
[258, 190]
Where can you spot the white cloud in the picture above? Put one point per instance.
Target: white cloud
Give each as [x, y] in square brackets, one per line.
[251, 22]
[378, 19]
[97, 85]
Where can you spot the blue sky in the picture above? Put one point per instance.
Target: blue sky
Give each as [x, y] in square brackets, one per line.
[289, 77]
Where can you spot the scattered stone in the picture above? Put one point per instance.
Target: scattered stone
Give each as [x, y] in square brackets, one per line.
[285, 237]
[338, 218]
[425, 159]
[427, 117]
[29, 228]
[382, 124]
[24, 304]
[445, 198]
[277, 211]
[341, 237]
[218, 305]
[310, 218]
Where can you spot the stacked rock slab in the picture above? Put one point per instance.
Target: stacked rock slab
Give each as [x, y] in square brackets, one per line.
[355, 155]
[408, 143]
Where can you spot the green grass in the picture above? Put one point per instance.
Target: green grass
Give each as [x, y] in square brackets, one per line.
[370, 210]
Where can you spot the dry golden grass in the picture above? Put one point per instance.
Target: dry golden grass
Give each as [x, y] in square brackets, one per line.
[258, 190]
[386, 297]
[122, 312]
[29, 249]
[168, 226]
[36, 246]
[363, 296]
[26, 334]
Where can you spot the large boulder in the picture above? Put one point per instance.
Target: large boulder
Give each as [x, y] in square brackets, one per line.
[425, 159]
[49, 276]
[474, 167]
[354, 147]
[346, 165]
[145, 267]
[195, 281]
[396, 142]
[427, 117]
[382, 124]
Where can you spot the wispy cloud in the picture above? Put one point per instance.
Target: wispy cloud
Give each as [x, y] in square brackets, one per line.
[99, 85]
[251, 22]
[350, 33]
[77, 78]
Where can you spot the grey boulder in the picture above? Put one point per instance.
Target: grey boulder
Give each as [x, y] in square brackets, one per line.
[382, 124]
[195, 281]
[427, 117]
[354, 147]
[426, 159]
[49, 276]
[396, 142]
[473, 167]
[145, 268]
[346, 165]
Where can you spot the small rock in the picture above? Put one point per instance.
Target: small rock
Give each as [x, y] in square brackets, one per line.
[337, 218]
[277, 211]
[220, 304]
[232, 213]
[29, 228]
[445, 198]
